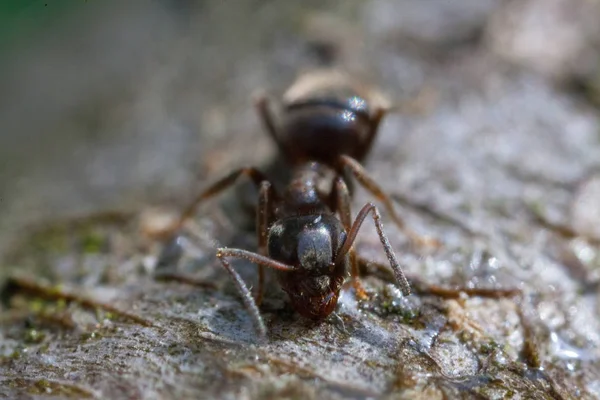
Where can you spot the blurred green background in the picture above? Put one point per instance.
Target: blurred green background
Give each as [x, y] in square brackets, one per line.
[21, 18]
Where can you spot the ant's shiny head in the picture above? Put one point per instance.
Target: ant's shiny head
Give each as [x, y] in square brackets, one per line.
[310, 243]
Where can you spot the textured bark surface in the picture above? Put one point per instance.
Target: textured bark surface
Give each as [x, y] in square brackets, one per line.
[499, 160]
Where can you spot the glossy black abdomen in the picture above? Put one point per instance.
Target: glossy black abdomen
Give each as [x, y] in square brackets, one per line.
[322, 131]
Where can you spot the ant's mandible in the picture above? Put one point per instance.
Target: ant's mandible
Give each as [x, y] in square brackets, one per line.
[327, 124]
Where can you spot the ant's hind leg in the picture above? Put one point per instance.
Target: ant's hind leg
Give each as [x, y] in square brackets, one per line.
[262, 105]
[219, 186]
[369, 183]
[375, 121]
[342, 205]
[264, 217]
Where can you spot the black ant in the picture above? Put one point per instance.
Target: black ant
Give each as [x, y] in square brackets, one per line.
[327, 124]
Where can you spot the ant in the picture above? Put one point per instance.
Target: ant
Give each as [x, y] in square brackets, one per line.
[326, 128]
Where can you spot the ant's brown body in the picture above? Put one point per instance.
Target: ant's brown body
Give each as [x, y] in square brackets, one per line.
[327, 124]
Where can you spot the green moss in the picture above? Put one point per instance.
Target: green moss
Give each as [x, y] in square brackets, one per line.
[42, 386]
[488, 347]
[36, 305]
[34, 336]
[39, 306]
[465, 336]
[390, 305]
[16, 354]
[90, 336]
[92, 242]
[46, 387]
[43, 349]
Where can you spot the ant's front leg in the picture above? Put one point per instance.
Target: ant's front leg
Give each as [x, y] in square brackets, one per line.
[247, 298]
[216, 188]
[371, 185]
[387, 247]
[341, 202]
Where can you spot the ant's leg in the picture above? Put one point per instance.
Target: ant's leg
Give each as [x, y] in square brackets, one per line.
[369, 183]
[342, 205]
[342, 202]
[418, 104]
[375, 121]
[264, 217]
[389, 252]
[241, 286]
[216, 188]
[261, 103]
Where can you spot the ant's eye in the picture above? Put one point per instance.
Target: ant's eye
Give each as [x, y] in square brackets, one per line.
[282, 243]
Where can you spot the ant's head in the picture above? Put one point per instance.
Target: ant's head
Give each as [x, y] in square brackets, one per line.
[308, 242]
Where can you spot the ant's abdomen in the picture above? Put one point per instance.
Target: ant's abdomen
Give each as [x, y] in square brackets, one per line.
[322, 133]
